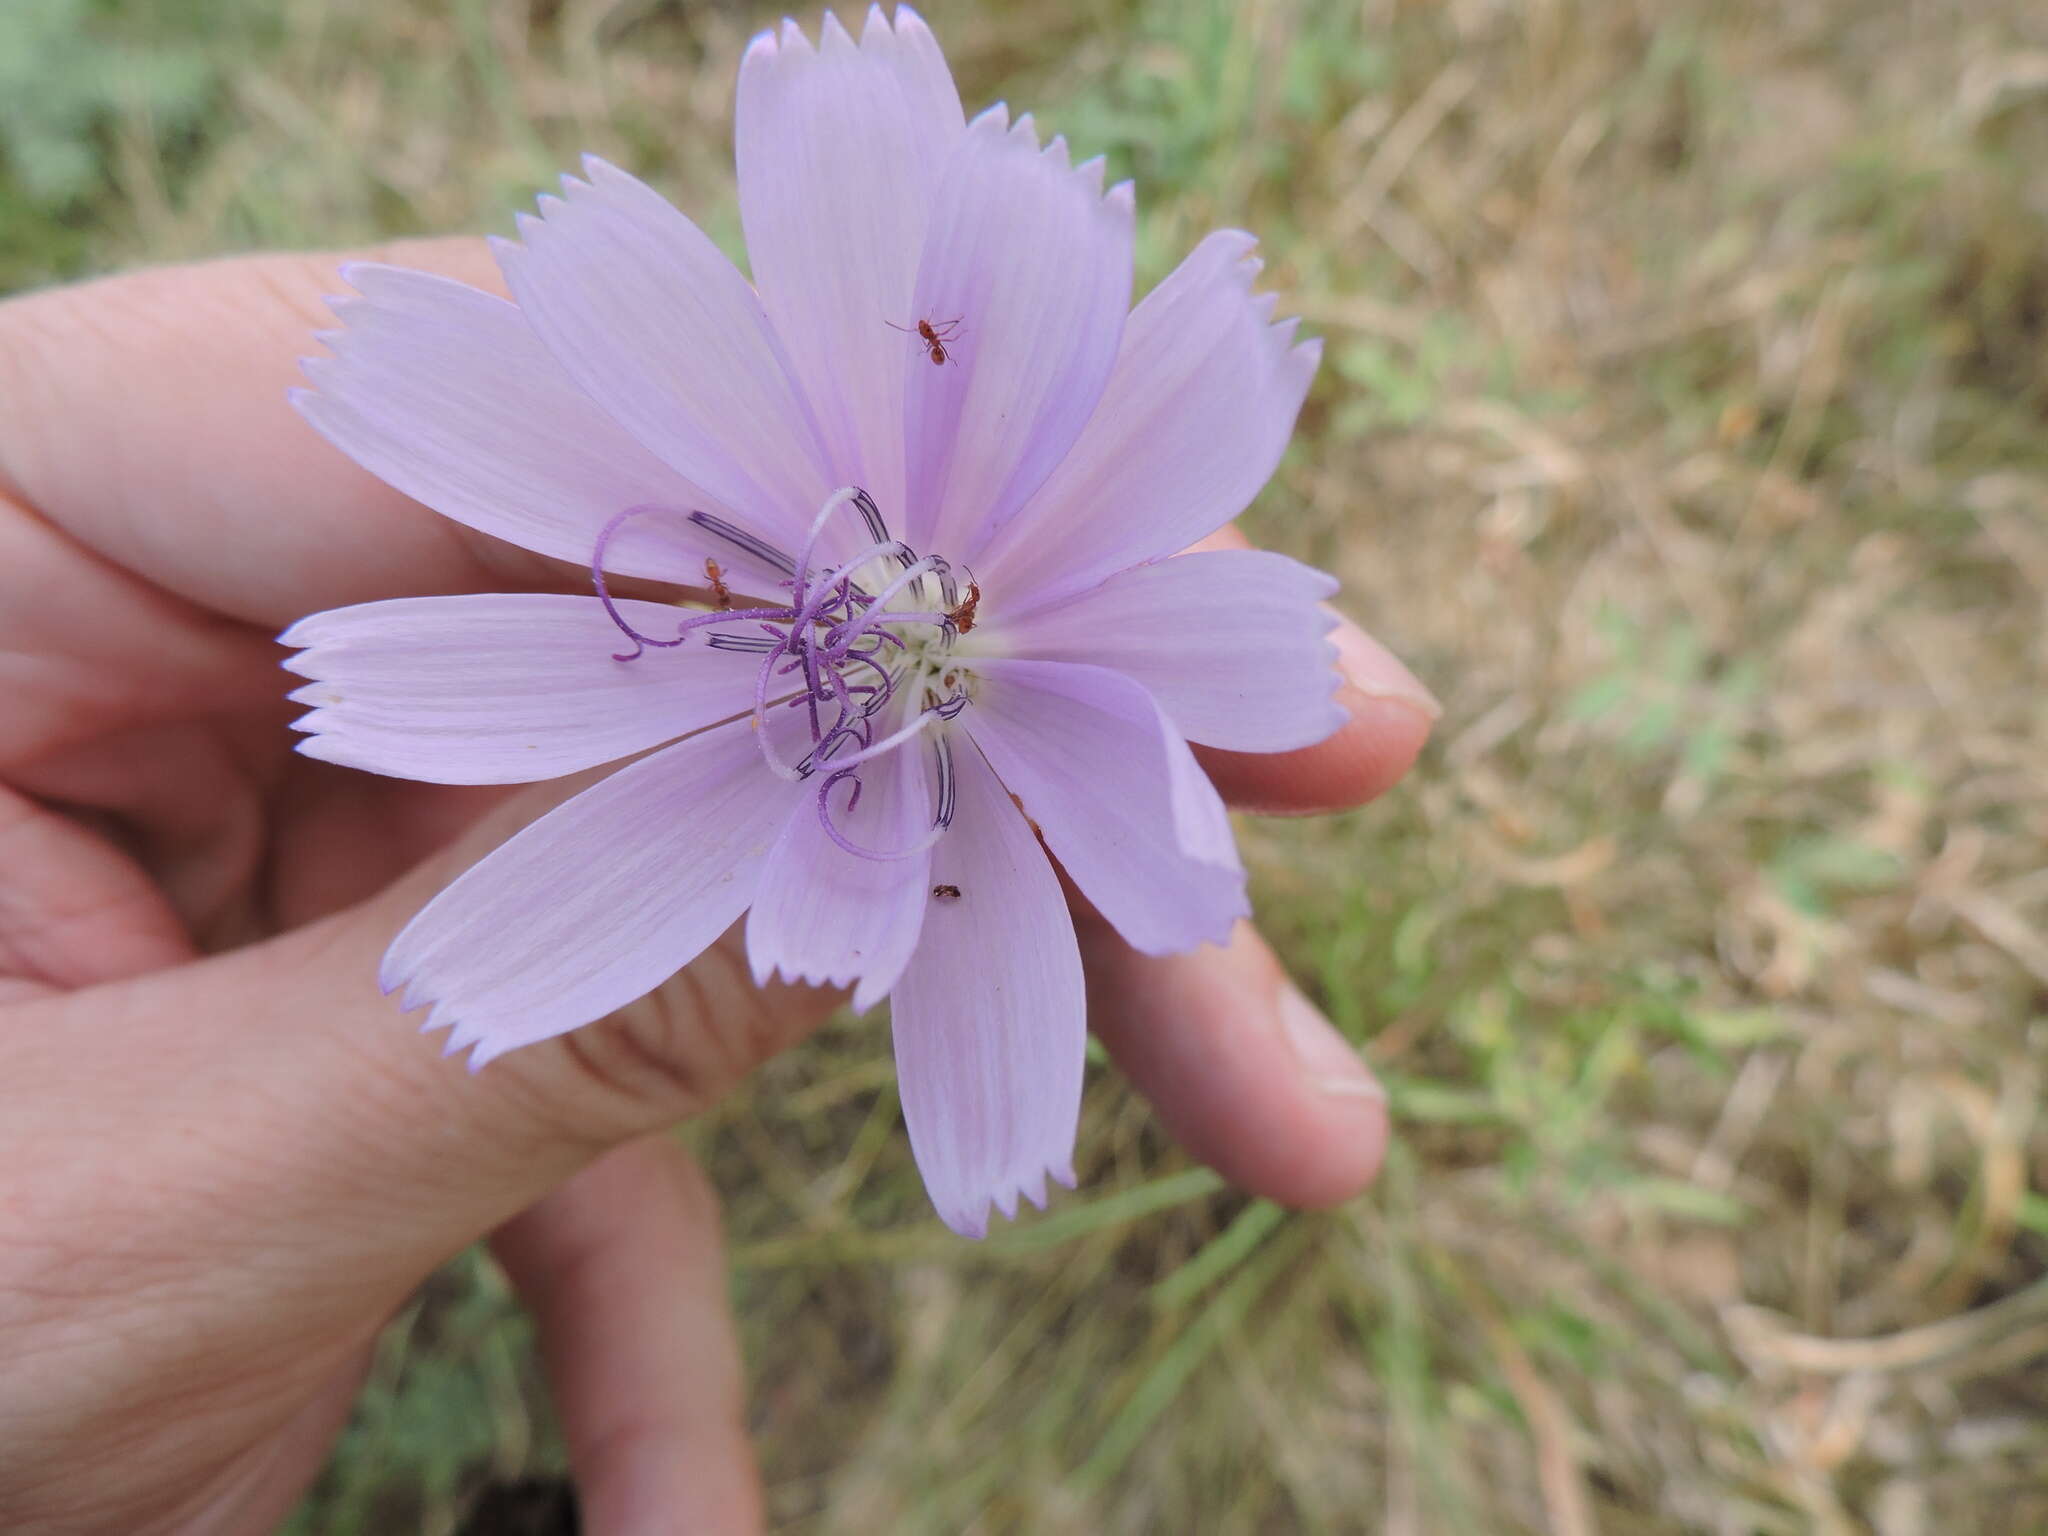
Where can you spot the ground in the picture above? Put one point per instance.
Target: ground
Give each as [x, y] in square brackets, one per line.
[1684, 422]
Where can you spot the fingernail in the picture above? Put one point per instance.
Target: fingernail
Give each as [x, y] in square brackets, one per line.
[1327, 1058]
[1376, 671]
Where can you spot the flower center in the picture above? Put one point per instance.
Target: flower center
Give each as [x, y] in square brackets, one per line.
[863, 650]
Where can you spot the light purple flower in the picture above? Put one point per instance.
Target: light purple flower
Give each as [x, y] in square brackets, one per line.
[951, 589]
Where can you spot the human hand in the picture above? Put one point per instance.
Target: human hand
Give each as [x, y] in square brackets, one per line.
[223, 1160]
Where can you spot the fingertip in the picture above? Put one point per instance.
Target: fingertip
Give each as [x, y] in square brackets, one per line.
[1367, 756]
[1390, 711]
[1374, 672]
[1245, 1072]
[623, 1268]
[1346, 1097]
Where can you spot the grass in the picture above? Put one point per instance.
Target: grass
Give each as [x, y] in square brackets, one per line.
[1685, 422]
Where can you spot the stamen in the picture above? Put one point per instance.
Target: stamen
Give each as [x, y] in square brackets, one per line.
[942, 749]
[877, 529]
[874, 552]
[762, 734]
[893, 740]
[836, 652]
[879, 612]
[739, 538]
[844, 496]
[604, 596]
[882, 855]
[699, 621]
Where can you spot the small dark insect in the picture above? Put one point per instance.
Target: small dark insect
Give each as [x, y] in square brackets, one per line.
[932, 338]
[962, 617]
[946, 892]
[721, 594]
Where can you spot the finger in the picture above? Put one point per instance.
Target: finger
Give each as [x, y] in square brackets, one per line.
[74, 910]
[147, 418]
[1390, 716]
[261, 1494]
[280, 1081]
[1245, 1072]
[624, 1272]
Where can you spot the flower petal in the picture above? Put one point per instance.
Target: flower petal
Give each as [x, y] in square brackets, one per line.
[444, 392]
[1034, 264]
[1117, 796]
[648, 316]
[1192, 424]
[829, 917]
[840, 149]
[598, 902]
[1230, 643]
[990, 1019]
[489, 689]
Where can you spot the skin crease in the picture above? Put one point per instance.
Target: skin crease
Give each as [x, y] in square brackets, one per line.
[224, 1158]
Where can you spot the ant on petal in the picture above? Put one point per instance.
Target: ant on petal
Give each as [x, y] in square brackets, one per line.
[932, 338]
[721, 594]
[962, 617]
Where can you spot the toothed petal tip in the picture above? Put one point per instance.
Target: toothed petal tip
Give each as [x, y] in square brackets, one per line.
[299, 632]
[972, 1225]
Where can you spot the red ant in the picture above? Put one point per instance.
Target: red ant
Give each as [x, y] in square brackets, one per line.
[720, 592]
[962, 617]
[932, 338]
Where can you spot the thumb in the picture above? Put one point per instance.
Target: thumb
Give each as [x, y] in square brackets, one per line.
[274, 1090]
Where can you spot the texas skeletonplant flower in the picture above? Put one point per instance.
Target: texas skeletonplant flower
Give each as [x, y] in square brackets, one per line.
[926, 478]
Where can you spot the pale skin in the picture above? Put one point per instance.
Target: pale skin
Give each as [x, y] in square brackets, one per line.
[224, 1158]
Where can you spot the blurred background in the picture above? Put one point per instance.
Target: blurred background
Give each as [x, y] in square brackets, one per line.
[1684, 422]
